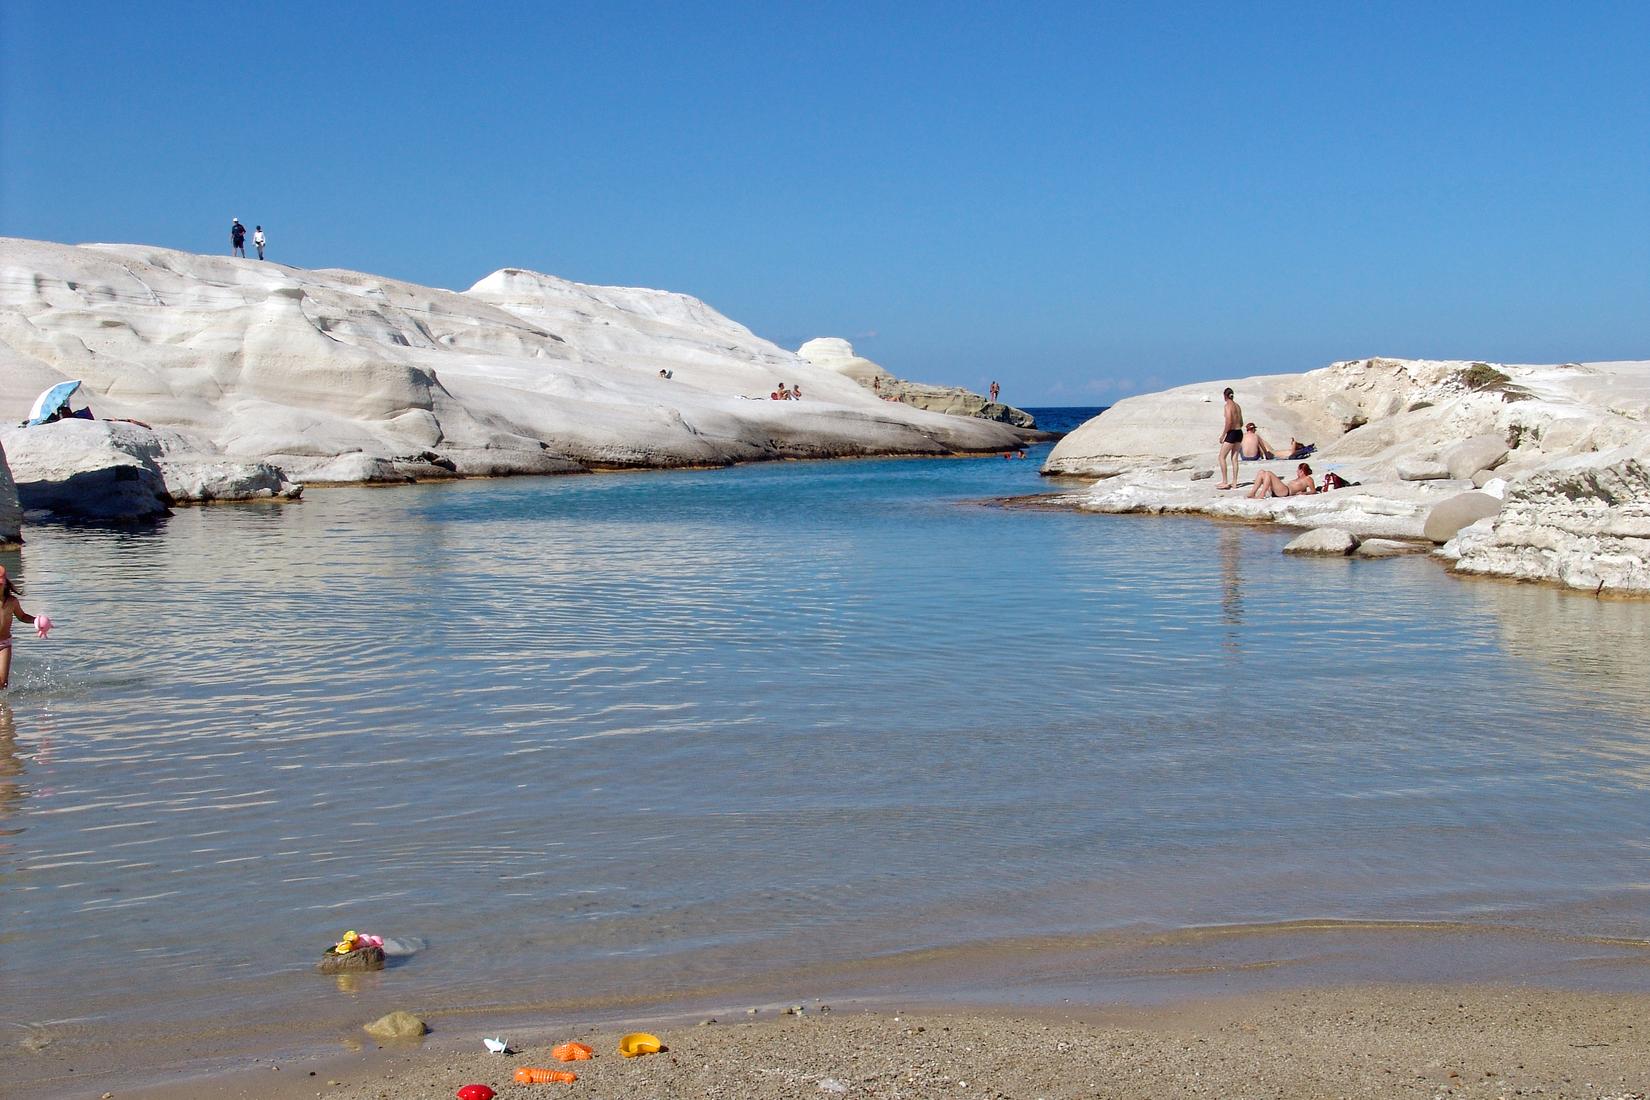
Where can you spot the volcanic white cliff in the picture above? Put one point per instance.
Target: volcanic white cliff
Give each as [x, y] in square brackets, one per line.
[1530, 472]
[338, 376]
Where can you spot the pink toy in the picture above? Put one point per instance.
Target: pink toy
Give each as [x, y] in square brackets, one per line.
[368, 941]
[42, 625]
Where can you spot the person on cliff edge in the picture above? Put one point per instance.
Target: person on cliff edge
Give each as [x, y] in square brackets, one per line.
[237, 238]
[258, 240]
[1231, 439]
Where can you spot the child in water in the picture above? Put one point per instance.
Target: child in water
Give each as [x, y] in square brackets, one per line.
[11, 609]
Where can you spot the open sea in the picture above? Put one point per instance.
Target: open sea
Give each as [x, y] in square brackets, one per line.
[598, 746]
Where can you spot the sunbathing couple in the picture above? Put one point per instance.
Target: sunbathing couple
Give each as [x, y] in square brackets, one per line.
[786, 394]
[1240, 441]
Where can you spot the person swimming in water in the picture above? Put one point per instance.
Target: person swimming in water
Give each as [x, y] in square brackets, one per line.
[10, 609]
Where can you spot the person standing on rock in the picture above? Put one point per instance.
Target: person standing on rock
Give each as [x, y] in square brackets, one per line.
[1231, 440]
[237, 238]
[995, 390]
[258, 240]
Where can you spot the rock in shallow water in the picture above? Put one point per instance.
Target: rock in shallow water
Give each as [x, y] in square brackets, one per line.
[396, 1025]
[1389, 548]
[1324, 540]
[353, 962]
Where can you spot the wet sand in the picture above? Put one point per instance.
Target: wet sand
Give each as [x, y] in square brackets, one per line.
[1362, 1041]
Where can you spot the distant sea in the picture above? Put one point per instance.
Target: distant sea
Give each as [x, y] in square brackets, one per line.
[1063, 418]
[598, 744]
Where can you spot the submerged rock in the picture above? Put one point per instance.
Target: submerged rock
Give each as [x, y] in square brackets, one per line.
[1389, 548]
[352, 962]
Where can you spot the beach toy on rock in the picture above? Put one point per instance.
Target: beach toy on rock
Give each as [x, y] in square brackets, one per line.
[352, 953]
[475, 1092]
[535, 1075]
[571, 1052]
[638, 1043]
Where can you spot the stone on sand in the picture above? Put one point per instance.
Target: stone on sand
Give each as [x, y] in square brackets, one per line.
[1450, 515]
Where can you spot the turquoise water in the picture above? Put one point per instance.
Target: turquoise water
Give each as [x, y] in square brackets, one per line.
[602, 741]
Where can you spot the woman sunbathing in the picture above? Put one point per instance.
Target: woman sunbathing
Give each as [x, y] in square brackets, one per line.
[1268, 484]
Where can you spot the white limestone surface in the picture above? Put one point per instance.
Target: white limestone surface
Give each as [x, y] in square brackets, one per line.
[1568, 446]
[342, 376]
[11, 511]
[836, 354]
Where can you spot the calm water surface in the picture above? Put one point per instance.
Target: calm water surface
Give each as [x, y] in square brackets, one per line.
[604, 740]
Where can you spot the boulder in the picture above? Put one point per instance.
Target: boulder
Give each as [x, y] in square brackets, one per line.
[1323, 540]
[1481, 452]
[1481, 478]
[1389, 548]
[106, 470]
[396, 1025]
[87, 469]
[1412, 469]
[352, 962]
[1450, 515]
[11, 510]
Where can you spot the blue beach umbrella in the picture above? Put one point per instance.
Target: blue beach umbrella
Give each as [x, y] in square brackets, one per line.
[50, 401]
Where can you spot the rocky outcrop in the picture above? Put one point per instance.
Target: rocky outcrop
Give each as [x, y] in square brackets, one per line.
[11, 510]
[836, 354]
[1558, 443]
[1585, 526]
[110, 471]
[342, 376]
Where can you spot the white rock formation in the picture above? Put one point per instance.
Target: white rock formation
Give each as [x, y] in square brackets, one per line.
[836, 354]
[11, 512]
[342, 376]
[1569, 446]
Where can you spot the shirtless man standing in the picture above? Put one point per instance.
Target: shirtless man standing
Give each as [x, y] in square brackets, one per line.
[1231, 436]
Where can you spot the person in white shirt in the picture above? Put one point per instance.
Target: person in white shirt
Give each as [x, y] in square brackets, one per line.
[258, 240]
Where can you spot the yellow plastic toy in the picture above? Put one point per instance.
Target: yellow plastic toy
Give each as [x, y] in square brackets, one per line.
[638, 1043]
[347, 944]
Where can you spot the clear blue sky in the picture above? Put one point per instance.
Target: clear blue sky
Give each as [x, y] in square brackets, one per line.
[1081, 200]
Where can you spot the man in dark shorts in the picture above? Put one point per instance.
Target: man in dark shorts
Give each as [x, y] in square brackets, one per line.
[1231, 438]
[237, 238]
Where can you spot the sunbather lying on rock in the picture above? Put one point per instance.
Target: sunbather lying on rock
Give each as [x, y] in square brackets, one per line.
[1268, 484]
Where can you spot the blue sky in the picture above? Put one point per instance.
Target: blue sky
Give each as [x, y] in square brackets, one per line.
[1083, 201]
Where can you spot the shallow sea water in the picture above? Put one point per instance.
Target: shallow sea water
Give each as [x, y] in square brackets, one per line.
[603, 743]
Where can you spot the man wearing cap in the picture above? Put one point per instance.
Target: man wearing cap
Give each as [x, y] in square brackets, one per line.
[237, 238]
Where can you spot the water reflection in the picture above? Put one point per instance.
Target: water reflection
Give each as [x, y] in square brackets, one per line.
[669, 729]
[12, 789]
[1583, 646]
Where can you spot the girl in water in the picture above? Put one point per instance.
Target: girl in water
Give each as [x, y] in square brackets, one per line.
[10, 609]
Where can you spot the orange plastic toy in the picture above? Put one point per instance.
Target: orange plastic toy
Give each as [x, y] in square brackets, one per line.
[571, 1052]
[533, 1075]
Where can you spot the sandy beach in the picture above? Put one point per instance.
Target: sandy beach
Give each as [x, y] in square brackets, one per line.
[1362, 1041]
